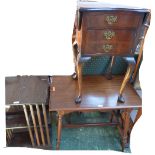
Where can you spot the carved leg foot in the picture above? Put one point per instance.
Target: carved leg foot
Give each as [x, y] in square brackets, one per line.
[121, 99]
[74, 76]
[125, 144]
[78, 100]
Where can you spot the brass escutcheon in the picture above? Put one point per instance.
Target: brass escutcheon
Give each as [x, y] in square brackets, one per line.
[107, 47]
[109, 34]
[111, 19]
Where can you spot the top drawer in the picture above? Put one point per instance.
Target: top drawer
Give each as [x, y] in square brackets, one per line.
[99, 20]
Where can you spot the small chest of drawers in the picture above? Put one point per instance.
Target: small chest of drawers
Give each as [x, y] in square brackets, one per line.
[113, 31]
[109, 32]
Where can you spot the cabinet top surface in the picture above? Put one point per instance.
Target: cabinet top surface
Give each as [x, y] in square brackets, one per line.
[98, 94]
[83, 6]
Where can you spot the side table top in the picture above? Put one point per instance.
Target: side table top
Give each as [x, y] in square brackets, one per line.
[26, 89]
[98, 93]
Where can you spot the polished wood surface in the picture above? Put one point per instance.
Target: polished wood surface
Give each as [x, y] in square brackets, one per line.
[122, 42]
[98, 93]
[125, 19]
[28, 95]
[124, 23]
[26, 89]
[113, 31]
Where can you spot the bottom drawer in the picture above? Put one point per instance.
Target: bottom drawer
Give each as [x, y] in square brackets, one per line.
[118, 48]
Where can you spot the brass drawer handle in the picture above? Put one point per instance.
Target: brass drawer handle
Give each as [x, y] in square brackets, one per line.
[107, 47]
[109, 34]
[111, 19]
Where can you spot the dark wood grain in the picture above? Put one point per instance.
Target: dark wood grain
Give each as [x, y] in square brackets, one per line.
[98, 93]
[113, 31]
[122, 42]
[126, 28]
[26, 89]
[16, 121]
[125, 19]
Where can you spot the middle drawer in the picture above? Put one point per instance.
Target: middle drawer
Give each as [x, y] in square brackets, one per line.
[110, 35]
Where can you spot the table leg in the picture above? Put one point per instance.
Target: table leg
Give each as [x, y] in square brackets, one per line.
[131, 66]
[79, 74]
[109, 71]
[60, 115]
[75, 53]
[126, 121]
[111, 116]
[139, 113]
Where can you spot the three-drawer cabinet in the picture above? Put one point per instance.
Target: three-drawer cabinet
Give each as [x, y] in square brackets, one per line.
[112, 31]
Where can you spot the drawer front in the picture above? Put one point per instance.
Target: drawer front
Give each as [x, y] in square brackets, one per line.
[118, 48]
[99, 20]
[109, 41]
[111, 35]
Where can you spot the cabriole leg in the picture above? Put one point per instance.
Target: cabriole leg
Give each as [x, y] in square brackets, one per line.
[75, 53]
[128, 74]
[109, 70]
[79, 72]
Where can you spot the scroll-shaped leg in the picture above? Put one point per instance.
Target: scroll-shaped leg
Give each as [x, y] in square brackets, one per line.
[75, 53]
[79, 74]
[79, 62]
[131, 66]
[75, 50]
[109, 70]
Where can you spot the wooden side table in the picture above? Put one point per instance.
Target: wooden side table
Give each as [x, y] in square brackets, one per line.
[28, 95]
[26, 89]
[99, 94]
